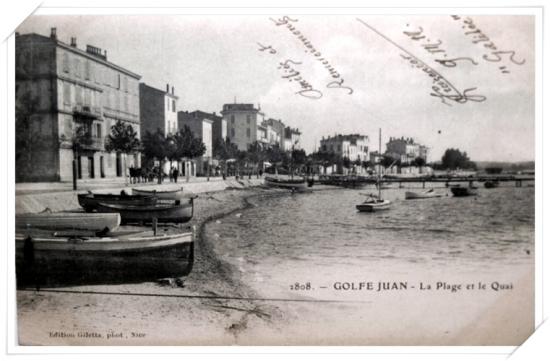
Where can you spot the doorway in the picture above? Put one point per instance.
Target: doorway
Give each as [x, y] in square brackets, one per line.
[91, 172]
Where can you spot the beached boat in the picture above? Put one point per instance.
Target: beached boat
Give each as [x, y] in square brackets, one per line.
[105, 259]
[422, 195]
[165, 194]
[294, 183]
[373, 205]
[95, 222]
[175, 212]
[89, 201]
[459, 191]
[491, 184]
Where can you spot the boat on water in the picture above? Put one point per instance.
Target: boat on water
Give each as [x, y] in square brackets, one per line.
[375, 203]
[422, 195]
[107, 259]
[294, 183]
[90, 201]
[491, 184]
[460, 191]
[94, 222]
[178, 211]
[164, 194]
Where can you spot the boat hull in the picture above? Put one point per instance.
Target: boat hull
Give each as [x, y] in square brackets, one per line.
[463, 191]
[373, 206]
[414, 195]
[68, 221]
[294, 184]
[175, 194]
[164, 213]
[90, 201]
[105, 260]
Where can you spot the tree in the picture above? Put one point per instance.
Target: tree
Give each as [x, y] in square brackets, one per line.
[299, 158]
[183, 144]
[155, 146]
[225, 150]
[388, 161]
[122, 139]
[419, 162]
[256, 155]
[455, 159]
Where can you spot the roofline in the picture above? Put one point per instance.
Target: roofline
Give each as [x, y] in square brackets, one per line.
[159, 91]
[85, 54]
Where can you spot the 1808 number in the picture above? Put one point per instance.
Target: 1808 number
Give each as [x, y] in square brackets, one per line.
[301, 286]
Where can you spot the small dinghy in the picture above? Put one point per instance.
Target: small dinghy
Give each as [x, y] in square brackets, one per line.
[94, 222]
[491, 184]
[173, 212]
[90, 201]
[373, 204]
[294, 183]
[422, 195]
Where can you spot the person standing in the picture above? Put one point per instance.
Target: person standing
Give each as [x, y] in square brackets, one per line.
[175, 174]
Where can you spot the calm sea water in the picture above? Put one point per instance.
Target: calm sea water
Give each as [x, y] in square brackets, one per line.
[322, 234]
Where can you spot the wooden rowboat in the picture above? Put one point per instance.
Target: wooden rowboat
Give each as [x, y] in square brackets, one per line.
[294, 183]
[373, 205]
[168, 194]
[422, 195]
[175, 212]
[89, 201]
[95, 222]
[110, 259]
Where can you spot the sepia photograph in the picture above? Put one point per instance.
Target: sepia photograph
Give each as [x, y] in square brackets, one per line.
[275, 179]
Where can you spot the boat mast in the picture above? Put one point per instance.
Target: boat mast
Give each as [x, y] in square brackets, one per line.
[379, 161]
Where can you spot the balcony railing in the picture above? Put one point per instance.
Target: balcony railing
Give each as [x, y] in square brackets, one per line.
[93, 143]
[87, 111]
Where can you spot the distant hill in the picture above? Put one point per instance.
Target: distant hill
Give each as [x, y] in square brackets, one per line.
[507, 166]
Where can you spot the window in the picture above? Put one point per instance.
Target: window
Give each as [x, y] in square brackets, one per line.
[167, 104]
[248, 119]
[174, 106]
[87, 97]
[126, 84]
[66, 93]
[232, 119]
[98, 130]
[248, 132]
[117, 81]
[232, 132]
[65, 62]
[78, 93]
[126, 102]
[87, 70]
[77, 68]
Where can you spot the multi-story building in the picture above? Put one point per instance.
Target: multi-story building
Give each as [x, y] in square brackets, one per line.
[202, 128]
[242, 123]
[72, 89]
[158, 109]
[291, 139]
[351, 146]
[219, 124]
[406, 150]
[277, 133]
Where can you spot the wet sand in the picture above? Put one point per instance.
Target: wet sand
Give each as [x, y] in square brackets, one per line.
[217, 305]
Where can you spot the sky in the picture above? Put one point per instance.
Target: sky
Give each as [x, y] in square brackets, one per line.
[216, 59]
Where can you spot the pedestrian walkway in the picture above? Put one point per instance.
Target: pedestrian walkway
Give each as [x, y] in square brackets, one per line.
[94, 184]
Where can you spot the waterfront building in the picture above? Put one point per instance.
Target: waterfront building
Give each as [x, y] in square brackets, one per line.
[158, 109]
[219, 124]
[291, 139]
[242, 121]
[277, 132]
[203, 129]
[406, 150]
[351, 146]
[67, 89]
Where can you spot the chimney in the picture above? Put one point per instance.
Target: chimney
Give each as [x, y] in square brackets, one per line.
[172, 90]
[168, 88]
[53, 33]
[73, 42]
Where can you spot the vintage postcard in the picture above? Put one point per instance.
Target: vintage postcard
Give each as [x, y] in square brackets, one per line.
[279, 179]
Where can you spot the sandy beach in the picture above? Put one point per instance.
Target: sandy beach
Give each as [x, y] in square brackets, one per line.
[217, 304]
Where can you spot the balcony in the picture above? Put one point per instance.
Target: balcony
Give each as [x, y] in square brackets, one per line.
[93, 143]
[86, 111]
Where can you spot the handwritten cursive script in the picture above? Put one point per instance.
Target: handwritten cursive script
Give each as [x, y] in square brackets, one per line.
[442, 88]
